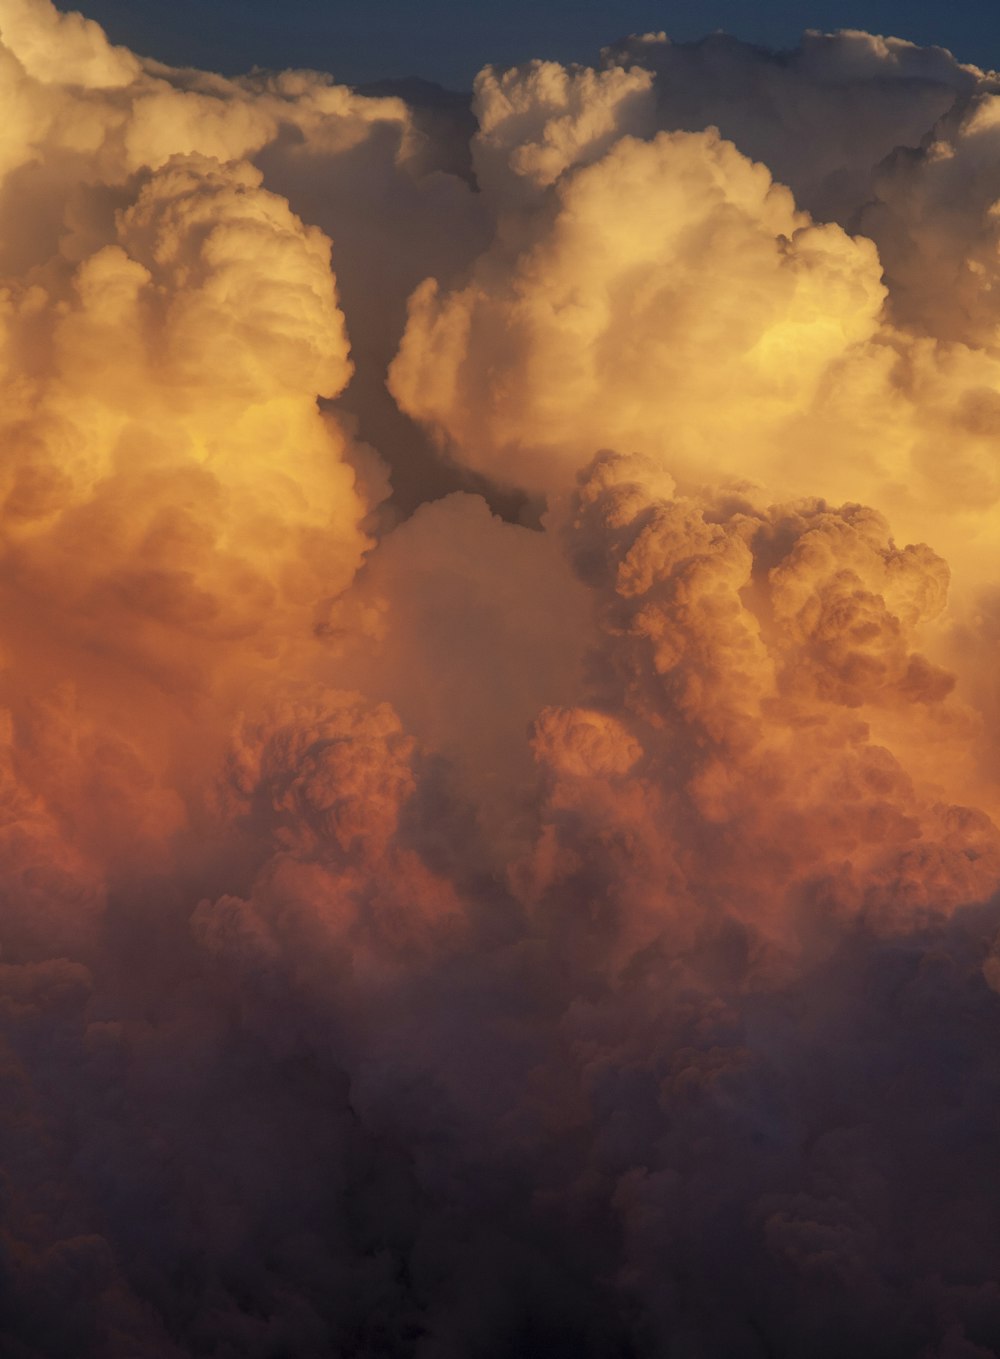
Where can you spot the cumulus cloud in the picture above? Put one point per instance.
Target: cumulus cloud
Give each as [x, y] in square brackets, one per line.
[822, 117]
[658, 266]
[498, 722]
[667, 294]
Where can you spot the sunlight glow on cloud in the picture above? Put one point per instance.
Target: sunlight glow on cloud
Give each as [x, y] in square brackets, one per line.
[444, 933]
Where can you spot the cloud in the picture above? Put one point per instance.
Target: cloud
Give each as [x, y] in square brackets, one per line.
[499, 841]
[822, 117]
[606, 332]
[536, 121]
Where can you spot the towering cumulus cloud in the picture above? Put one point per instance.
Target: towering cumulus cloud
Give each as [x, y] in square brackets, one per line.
[499, 730]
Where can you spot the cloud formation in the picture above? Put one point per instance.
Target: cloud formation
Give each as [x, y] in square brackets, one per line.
[499, 840]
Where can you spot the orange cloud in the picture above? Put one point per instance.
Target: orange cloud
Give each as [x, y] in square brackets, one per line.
[498, 707]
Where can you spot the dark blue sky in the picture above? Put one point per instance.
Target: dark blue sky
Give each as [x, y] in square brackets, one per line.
[448, 40]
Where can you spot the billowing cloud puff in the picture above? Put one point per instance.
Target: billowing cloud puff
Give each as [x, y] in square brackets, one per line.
[669, 297]
[934, 216]
[822, 117]
[771, 649]
[320, 785]
[498, 722]
[664, 264]
[167, 463]
[537, 121]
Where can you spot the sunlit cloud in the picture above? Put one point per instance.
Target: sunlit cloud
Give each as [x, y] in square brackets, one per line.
[499, 735]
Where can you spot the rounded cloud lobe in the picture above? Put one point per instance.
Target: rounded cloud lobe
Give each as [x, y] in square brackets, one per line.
[434, 932]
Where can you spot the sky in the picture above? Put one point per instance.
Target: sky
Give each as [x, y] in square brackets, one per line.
[449, 40]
